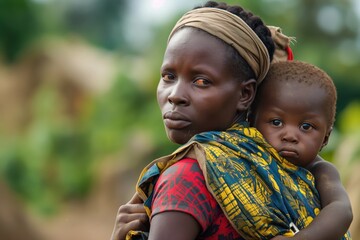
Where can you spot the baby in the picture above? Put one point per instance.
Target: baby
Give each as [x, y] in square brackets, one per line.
[295, 109]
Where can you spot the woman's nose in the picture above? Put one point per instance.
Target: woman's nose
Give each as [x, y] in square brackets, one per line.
[178, 94]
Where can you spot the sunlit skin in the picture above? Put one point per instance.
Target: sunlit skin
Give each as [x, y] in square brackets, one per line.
[198, 91]
[293, 117]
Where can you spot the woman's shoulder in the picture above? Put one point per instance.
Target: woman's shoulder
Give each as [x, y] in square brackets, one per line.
[184, 166]
[185, 171]
[182, 188]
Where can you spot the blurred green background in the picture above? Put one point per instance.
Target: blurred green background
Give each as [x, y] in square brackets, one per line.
[78, 112]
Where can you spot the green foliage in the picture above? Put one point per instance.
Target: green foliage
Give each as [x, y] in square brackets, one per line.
[115, 114]
[350, 118]
[97, 21]
[347, 151]
[18, 26]
[120, 112]
[345, 136]
[51, 161]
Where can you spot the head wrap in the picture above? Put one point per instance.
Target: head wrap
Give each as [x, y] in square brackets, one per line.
[232, 30]
[282, 42]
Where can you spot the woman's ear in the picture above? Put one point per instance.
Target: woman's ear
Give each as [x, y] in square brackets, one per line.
[247, 91]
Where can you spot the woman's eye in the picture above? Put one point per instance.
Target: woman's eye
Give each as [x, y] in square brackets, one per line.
[167, 77]
[201, 82]
[276, 122]
[306, 126]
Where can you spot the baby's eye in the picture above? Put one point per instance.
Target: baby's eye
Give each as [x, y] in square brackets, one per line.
[306, 126]
[277, 122]
[201, 82]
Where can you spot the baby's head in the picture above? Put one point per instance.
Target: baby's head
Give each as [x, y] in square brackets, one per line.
[295, 110]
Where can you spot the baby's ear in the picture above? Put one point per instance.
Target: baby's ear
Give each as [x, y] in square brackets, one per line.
[327, 136]
[247, 91]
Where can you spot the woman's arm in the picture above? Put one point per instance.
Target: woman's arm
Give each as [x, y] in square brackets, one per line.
[182, 207]
[336, 215]
[179, 201]
[131, 216]
[174, 225]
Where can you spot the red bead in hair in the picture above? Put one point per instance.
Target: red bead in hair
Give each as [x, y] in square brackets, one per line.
[290, 54]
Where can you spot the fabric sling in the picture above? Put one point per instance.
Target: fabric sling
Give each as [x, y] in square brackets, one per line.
[262, 194]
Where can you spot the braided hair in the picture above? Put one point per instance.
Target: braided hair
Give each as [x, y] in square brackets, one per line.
[238, 64]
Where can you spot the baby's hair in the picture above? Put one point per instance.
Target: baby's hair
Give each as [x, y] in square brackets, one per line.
[290, 71]
[256, 24]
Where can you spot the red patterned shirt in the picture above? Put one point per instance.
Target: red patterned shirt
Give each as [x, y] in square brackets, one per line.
[182, 188]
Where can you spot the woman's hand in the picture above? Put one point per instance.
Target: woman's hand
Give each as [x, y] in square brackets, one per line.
[131, 216]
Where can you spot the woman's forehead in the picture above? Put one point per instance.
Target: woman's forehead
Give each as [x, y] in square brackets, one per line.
[192, 40]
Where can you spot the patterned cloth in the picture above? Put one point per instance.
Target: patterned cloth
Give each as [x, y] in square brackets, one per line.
[182, 188]
[262, 194]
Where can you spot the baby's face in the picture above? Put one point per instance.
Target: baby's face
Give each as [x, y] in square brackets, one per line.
[197, 91]
[292, 117]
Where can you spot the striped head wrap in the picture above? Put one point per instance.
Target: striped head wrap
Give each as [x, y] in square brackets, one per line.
[232, 30]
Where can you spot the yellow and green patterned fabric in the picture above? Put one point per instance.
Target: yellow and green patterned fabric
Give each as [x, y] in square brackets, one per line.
[262, 194]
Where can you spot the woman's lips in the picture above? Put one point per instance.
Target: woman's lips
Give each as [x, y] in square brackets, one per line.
[175, 120]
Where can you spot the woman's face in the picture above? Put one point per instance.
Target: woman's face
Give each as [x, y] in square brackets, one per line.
[198, 91]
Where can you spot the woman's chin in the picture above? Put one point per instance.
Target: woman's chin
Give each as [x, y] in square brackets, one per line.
[178, 137]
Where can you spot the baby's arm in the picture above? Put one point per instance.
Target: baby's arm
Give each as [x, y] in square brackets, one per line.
[336, 215]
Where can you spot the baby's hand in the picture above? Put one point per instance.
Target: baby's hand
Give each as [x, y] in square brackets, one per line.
[131, 216]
